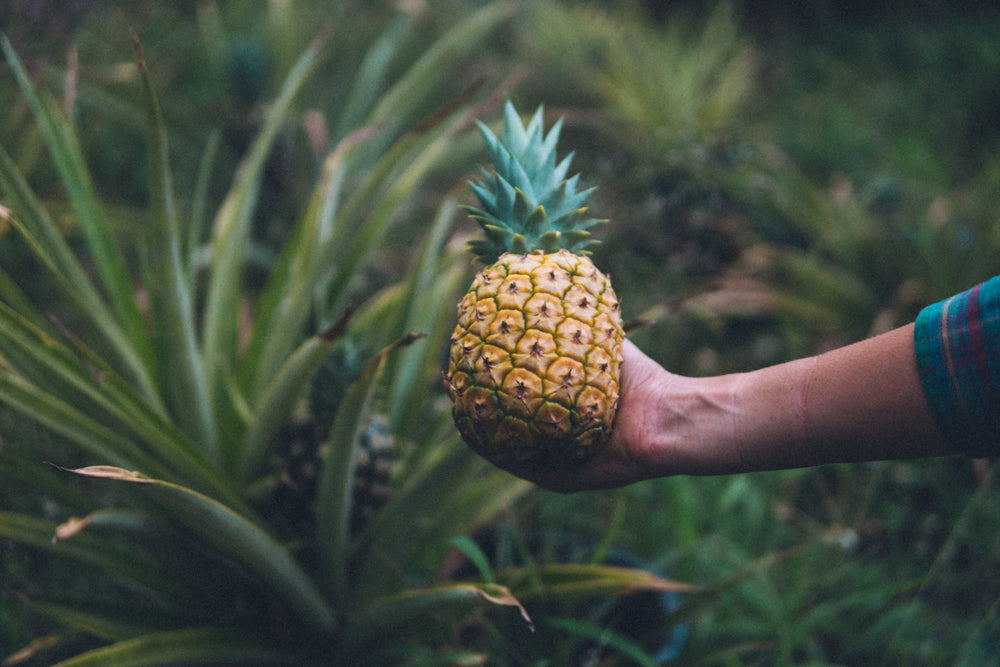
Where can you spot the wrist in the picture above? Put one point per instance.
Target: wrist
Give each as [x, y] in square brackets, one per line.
[696, 425]
[742, 422]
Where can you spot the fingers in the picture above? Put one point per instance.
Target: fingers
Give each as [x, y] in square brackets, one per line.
[622, 461]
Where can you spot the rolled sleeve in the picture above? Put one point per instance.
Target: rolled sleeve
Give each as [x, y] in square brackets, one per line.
[957, 345]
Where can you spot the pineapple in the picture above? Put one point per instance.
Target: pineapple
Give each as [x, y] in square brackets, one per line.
[300, 457]
[373, 473]
[303, 448]
[535, 358]
[302, 451]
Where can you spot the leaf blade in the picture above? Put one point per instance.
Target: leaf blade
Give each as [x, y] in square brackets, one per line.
[231, 229]
[235, 536]
[61, 140]
[408, 613]
[279, 396]
[193, 645]
[172, 291]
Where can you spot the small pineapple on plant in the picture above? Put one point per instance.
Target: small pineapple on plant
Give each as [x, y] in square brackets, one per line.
[302, 445]
[302, 449]
[536, 355]
[374, 460]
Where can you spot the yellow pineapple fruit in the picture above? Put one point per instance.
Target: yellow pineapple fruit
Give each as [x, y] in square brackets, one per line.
[536, 355]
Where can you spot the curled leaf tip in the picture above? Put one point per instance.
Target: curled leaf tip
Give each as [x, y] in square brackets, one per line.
[500, 595]
[108, 472]
[139, 55]
[69, 528]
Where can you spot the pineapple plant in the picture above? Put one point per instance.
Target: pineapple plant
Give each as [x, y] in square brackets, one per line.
[161, 400]
[535, 357]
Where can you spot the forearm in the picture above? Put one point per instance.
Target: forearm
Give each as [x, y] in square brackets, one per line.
[862, 402]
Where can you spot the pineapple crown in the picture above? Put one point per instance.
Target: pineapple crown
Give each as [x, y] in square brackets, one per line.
[527, 202]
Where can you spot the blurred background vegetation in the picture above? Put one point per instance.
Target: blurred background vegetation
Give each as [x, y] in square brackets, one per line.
[782, 177]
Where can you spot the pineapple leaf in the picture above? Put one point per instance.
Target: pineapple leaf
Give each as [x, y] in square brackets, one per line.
[48, 244]
[88, 389]
[463, 38]
[26, 476]
[471, 550]
[234, 537]
[506, 194]
[11, 293]
[485, 195]
[576, 239]
[536, 224]
[519, 244]
[569, 581]
[280, 395]
[390, 184]
[114, 557]
[523, 208]
[551, 240]
[559, 173]
[231, 230]
[411, 613]
[435, 471]
[528, 194]
[118, 620]
[74, 425]
[431, 293]
[187, 646]
[172, 288]
[629, 648]
[199, 202]
[370, 77]
[62, 143]
[515, 135]
[564, 200]
[287, 300]
[136, 555]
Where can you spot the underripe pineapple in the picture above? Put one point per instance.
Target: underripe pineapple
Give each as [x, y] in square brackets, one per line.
[302, 452]
[535, 358]
[303, 443]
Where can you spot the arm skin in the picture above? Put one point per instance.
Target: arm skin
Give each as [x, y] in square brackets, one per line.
[862, 402]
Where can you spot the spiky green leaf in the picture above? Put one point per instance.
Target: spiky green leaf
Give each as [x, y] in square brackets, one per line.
[203, 646]
[178, 346]
[234, 537]
[411, 613]
[528, 193]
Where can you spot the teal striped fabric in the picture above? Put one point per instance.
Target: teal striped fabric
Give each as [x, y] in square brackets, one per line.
[958, 354]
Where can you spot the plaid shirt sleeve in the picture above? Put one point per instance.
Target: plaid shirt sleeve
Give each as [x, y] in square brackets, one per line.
[958, 355]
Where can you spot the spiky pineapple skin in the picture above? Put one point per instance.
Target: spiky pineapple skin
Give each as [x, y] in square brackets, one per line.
[535, 361]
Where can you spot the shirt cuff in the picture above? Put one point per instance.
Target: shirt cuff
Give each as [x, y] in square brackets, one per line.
[957, 345]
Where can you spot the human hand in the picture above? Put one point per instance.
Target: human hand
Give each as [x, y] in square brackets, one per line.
[647, 428]
[861, 402]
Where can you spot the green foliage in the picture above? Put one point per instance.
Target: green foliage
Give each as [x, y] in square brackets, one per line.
[825, 201]
[162, 378]
[773, 190]
[670, 89]
[839, 253]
